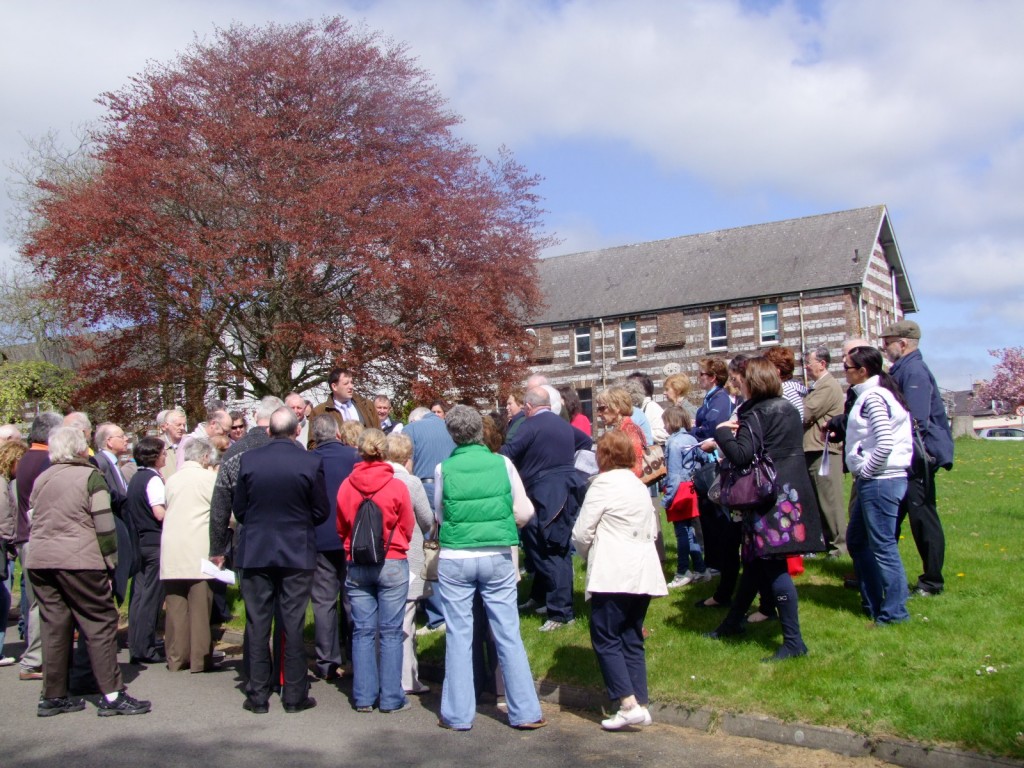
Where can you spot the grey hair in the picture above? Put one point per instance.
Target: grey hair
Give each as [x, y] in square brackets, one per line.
[636, 392]
[42, 425]
[163, 416]
[538, 397]
[200, 451]
[102, 434]
[400, 447]
[821, 353]
[283, 423]
[266, 408]
[465, 425]
[323, 428]
[67, 444]
[78, 420]
[418, 413]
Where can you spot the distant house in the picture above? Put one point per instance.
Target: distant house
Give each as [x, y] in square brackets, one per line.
[659, 307]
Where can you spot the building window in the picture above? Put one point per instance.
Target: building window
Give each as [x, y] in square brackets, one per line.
[627, 341]
[586, 395]
[582, 345]
[769, 323]
[717, 331]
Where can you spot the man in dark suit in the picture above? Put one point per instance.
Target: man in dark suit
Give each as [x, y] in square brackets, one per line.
[280, 497]
[111, 444]
[329, 578]
[543, 450]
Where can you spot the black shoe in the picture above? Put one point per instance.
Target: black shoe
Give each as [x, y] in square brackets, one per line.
[853, 584]
[58, 706]
[156, 658]
[785, 652]
[724, 631]
[122, 705]
[257, 709]
[307, 703]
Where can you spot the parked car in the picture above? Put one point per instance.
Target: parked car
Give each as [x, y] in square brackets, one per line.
[1002, 433]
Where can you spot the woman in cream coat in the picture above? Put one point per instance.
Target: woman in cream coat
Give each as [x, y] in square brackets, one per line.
[615, 532]
[184, 542]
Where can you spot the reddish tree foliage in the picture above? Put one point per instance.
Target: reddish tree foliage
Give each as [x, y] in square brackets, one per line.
[1006, 389]
[283, 199]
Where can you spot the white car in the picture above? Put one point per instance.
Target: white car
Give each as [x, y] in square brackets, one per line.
[1002, 433]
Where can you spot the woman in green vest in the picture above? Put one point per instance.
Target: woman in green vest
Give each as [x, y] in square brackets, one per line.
[480, 501]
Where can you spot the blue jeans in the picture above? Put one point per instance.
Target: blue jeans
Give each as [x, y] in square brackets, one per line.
[687, 548]
[377, 594]
[871, 542]
[494, 577]
[5, 601]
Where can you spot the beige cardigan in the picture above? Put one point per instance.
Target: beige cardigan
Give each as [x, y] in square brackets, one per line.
[615, 532]
[185, 538]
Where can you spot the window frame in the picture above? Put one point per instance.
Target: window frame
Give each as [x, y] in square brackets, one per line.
[715, 317]
[576, 337]
[636, 340]
[762, 313]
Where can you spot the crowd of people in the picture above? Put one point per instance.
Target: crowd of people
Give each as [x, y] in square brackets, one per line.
[370, 521]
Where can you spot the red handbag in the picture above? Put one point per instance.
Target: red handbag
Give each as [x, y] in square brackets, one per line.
[684, 504]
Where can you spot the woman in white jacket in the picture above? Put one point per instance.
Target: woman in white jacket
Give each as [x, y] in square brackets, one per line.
[615, 532]
[879, 448]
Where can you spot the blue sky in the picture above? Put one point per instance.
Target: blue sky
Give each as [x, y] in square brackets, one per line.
[651, 119]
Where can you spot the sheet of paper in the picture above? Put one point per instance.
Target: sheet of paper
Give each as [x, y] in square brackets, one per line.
[823, 469]
[220, 574]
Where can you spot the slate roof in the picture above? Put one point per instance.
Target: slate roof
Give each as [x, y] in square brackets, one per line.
[782, 257]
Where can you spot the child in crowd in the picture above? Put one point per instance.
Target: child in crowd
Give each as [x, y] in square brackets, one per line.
[683, 456]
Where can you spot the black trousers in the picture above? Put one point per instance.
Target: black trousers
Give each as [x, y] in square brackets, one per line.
[553, 572]
[144, 605]
[920, 506]
[287, 591]
[617, 635]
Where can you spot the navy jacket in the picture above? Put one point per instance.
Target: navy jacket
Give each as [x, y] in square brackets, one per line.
[544, 441]
[925, 404]
[338, 460]
[280, 497]
[716, 408]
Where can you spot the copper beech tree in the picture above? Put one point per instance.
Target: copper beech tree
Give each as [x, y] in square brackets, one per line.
[279, 200]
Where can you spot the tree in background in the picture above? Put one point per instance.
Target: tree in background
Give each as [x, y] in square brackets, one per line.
[41, 385]
[1006, 389]
[280, 200]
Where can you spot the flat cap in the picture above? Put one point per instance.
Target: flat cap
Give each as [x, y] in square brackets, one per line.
[904, 329]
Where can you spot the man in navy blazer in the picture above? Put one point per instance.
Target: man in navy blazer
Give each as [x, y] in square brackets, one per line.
[280, 497]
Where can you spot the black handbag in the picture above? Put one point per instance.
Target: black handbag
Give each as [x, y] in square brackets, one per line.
[704, 477]
[754, 486]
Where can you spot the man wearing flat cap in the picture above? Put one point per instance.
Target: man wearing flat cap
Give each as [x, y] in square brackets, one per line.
[929, 413]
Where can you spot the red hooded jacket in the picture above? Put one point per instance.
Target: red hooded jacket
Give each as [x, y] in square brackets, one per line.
[377, 478]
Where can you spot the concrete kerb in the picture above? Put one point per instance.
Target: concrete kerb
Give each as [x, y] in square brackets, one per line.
[837, 740]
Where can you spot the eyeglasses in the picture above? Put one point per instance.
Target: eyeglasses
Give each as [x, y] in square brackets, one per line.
[602, 408]
[237, 426]
[850, 367]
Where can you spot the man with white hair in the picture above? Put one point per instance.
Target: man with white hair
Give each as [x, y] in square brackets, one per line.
[544, 450]
[111, 445]
[218, 422]
[540, 380]
[171, 423]
[297, 404]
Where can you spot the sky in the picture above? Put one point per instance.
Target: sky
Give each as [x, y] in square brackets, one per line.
[650, 119]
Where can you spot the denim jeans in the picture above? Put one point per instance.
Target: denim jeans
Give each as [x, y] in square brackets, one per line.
[687, 548]
[377, 594]
[494, 577]
[871, 541]
[5, 602]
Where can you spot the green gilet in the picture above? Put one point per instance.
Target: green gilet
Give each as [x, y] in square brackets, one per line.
[477, 498]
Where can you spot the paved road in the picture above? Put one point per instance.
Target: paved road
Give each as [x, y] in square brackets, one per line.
[199, 720]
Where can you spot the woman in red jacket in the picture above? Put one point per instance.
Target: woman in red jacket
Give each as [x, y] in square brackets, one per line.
[377, 592]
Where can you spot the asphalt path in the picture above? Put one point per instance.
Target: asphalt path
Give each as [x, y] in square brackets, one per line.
[198, 720]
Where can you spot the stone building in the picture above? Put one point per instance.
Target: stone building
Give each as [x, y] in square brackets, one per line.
[659, 307]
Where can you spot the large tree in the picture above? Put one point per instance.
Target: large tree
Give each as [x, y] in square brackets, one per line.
[282, 199]
[1006, 389]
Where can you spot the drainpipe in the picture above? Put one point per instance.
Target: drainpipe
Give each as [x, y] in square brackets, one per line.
[803, 335]
[604, 361]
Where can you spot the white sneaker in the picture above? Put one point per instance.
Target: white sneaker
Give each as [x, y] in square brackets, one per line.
[551, 625]
[7, 661]
[425, 630]
[712, 572]
[681, 581]
[637, 717]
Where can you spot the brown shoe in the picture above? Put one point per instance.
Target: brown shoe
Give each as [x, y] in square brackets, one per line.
[531, 726]
[31, 673]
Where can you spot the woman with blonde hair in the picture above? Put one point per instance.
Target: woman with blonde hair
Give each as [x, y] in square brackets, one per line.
[614, 407]
[377, 592]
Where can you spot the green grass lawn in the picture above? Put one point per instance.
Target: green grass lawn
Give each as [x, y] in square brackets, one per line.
[952, 675]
